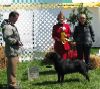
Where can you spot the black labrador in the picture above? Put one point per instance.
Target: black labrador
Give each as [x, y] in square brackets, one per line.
[67, 66]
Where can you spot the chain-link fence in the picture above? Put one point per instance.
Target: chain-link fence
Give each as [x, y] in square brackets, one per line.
[35, 27]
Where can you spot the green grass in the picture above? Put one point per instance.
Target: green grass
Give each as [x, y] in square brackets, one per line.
[94, 50]
[47, 78]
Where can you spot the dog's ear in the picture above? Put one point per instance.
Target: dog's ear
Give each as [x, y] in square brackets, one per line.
[48, 54]
[53, 55]
[56, 55]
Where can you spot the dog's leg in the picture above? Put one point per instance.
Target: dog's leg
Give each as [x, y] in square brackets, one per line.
[58, 77]
[62, 77]
[85, 74]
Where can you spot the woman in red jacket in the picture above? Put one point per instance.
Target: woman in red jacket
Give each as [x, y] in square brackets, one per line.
[61, 33]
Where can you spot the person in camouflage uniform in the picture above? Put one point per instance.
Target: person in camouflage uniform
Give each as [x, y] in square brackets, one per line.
[12, 45]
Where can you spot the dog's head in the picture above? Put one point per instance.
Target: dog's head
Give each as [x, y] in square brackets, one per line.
[51, 57]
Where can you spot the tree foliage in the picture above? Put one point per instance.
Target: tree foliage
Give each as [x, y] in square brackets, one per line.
[74, 15]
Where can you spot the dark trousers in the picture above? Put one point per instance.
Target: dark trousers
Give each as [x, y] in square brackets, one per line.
[83, 52]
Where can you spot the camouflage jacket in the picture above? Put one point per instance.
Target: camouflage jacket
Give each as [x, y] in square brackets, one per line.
[11, 38]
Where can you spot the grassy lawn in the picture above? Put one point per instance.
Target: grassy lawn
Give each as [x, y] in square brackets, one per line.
[47, 78]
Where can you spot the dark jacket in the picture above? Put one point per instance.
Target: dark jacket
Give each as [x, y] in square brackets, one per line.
[84, 34]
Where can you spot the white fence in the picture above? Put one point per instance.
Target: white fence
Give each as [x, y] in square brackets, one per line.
[35, 28]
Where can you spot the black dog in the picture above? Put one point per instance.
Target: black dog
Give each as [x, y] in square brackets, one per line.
[67, 66]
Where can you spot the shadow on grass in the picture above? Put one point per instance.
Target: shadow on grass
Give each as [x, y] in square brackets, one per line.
[45, 83]
[55, 82]
[3, 86]
[48, 72]
[72, 80]
[43, 62]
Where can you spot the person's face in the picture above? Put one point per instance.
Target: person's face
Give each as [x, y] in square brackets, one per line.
[61, 19]
[82, 19]
[14, 19]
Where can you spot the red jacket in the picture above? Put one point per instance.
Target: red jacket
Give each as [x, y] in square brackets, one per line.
[56, 34]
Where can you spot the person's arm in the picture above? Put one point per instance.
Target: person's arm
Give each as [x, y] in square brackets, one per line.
[54, 35]
[9, 36]
[69, 32]
[75, 34]
[92, 33]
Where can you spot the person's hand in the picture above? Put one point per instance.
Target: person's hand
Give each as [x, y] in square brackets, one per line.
[58, 39]
[93, 40]
[73, 43]
[20, 44]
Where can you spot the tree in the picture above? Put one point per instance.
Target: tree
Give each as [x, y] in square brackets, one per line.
[73, 17]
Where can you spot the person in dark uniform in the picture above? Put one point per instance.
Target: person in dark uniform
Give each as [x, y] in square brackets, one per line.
[84, 37]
